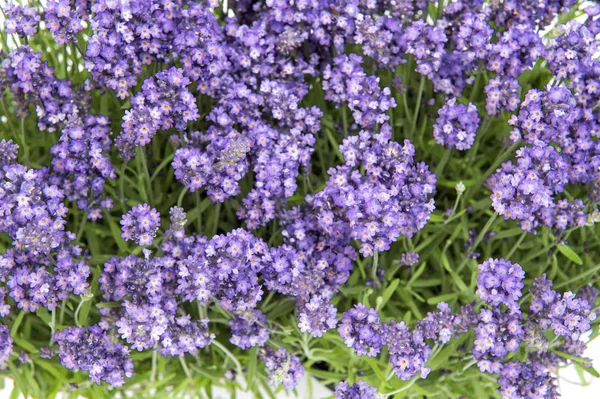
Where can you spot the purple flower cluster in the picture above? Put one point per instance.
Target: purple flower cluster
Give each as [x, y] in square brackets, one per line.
[408, 351]
[561, 149]
[6, 346]
[32, 82]
[391, 199]
[362, 330]
[316, 316]
[22, 20]
[225, 269]
[426, 44]
[8, 154]
[409, 259]
[456, 125]
[284, 368]
[63, 21]
[529, 379]
[148, 288]
[517, 49]
[310, 262]
[360, 390]
[500, 282]
[140, 224]
[163, 103]
[80, 165]
[41, 268]
[346, 82]
[92, 350]
[566, 315]
[249, 329]
[218, 168]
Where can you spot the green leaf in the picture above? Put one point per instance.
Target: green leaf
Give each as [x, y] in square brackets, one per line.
[445, 354]
[387, 294]
[441, 298]
[373, 364]
[569, 253]
[252, 361]
[17, 323]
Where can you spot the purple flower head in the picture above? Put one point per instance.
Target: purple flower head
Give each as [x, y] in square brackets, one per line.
[92, 350]
[566, 315]
[346, 82]
[140, 224]
[64, 18]
[456, 125]
[284, 369]
[225, 269]
[32, 82]
[530, 379]
[391, 199]
[360, 390]
[6, 346]
[500, 282]
[8, 154]
[249, 329]
[362, 331]
[81, 165]
[310, 262]
[316, 316]
[496, 335]
[22, 20]
[164, 103]
[438, 326]
[408, 351]
[409, 259]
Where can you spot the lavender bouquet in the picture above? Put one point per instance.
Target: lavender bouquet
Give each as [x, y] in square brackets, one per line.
[397, 198]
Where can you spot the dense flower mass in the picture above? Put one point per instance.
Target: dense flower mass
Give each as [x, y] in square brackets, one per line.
[140, 224]
[362, 330]
[92, 350]
[308, 187]
[284, 368]
[360, 390]
[456, 125]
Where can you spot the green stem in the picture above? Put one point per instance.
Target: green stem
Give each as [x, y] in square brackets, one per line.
[374, 268]
[478, 138]
[199, 218]
[404, 388]
[238, 366]
[23, 142]
[443, 162]
[185, 367]
[479, 238]
[146, 172]
[516, 246]
[417, 107]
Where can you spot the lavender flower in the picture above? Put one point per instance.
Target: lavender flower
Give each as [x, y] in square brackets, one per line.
[409, 259]
[284, 369]
[456, 125]
[500, 282]
[93, 351]
[22, 20]
[63, 21]
[362, 330]
[6, 345]
[226, 269]
[316, 316]
[360, 390]
[249, 329]
[163, 103]
[408, 351]
[140, 224]
[392, 199]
